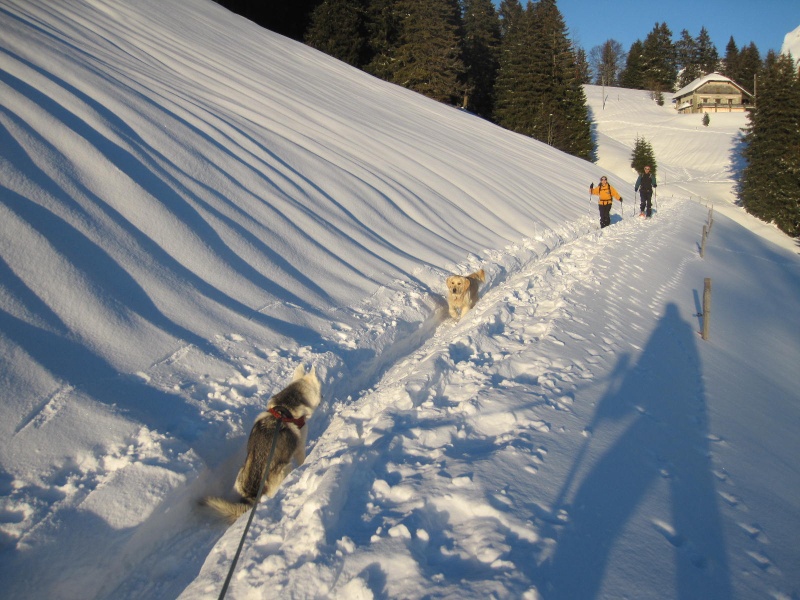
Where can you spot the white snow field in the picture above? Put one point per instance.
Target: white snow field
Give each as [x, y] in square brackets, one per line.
[192, 206]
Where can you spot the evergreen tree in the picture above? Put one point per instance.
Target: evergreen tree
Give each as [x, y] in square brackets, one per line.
[643, 156]
[608, 62]
[564, 117]
[659, 70]
[583, 71]
[427, 58]
[632, 77]
[481, 54]
[686, 56]
[770, 186]
[338, 29]
[538, 91]
[707, 55]
[515, 93]
[383, 32]
[287, 18]
[748, 67]
[511, 13]
[730, 63]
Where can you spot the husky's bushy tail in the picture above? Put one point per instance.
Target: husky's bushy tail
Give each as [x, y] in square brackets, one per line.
[227, 510]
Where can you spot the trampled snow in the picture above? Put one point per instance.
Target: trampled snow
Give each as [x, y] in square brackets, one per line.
[192, 206]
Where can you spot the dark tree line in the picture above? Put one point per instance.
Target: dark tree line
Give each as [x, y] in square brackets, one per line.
[661, 64]
[514, 66]
[287, 18]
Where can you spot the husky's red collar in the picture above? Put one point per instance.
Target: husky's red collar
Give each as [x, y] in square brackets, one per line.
[282, 414]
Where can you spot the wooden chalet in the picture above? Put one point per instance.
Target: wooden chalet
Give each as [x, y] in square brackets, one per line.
[712, 93]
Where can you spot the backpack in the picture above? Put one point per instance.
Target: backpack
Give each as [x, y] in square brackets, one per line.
[647, 183]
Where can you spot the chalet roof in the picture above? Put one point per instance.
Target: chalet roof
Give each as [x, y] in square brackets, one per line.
[685, 91]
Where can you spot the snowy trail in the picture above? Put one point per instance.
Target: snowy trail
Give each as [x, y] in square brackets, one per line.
[480, 398]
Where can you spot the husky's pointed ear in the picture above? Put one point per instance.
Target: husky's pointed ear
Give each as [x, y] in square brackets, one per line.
[299, 372]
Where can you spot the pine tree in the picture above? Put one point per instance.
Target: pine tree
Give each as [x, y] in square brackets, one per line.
[770, 185]
[632, 77]
[659, 70]
[583, 71]
[511, 13]
[287, 18]
[643, 156]
[481, 54]
[514, 90]
[731, 61]
[686, 55]
[338, 29]
[427, 58]
[748, 68]
[538, 90]
[707, 55]
[568, 127]
[383, 32]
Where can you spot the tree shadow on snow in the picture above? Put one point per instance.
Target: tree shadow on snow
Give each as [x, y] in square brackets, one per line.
[665, 447]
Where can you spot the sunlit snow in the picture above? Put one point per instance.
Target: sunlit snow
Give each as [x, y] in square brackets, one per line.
[193, 206]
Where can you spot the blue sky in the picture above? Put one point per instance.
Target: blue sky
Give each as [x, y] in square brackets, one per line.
[764, 22]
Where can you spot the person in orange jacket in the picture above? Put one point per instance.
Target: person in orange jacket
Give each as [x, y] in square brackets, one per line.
[605, 193]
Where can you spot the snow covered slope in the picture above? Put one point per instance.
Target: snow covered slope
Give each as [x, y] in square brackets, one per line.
[192, 206]
[791, 43]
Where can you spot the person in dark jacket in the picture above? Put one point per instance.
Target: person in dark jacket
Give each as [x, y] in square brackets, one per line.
[605, 193]
[646, 182]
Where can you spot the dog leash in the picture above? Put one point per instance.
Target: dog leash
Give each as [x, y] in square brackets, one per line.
[280, 418]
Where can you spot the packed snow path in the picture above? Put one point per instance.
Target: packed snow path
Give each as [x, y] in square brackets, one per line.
[405, 492]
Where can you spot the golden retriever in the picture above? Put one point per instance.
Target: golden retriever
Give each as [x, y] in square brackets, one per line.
[462, 292]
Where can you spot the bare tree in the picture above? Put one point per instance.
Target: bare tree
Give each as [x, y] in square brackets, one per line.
[607, 61]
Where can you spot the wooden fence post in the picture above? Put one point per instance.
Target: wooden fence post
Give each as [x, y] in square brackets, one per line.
[703, 242]
[706, 307]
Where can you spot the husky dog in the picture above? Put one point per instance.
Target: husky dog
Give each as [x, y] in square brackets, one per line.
[462, 292]
[289, 408]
